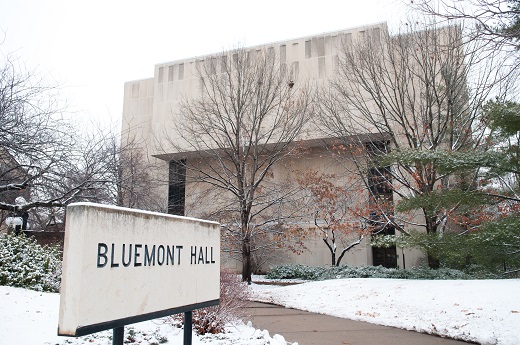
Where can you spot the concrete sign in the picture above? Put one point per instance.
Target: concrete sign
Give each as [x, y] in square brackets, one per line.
[122, 266]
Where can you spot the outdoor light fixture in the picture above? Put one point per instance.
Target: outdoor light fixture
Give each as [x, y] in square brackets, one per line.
[18, 219]
[13, 222]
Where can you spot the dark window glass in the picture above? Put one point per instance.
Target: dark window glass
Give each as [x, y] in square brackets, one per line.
[177, 187]
[380, 181]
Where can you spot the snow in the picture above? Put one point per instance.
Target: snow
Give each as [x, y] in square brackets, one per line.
[136, 211]
[482, 311]
[270, 282]
[31, 317]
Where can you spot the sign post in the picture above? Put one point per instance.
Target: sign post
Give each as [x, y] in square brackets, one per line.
[188, 324]
[123, 266]
[118, 336]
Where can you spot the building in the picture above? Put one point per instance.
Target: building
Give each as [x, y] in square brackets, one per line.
[152, 110]
[11, 171]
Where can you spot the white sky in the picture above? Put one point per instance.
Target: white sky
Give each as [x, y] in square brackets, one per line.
[90, 48]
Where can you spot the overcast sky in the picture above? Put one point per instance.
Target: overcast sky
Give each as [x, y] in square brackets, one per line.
[90, 48]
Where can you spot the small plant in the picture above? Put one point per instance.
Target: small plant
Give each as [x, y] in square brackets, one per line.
[161, 339]
[130, 338]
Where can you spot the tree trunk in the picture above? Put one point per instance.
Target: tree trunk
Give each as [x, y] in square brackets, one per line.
[332, 253]
[433, 262]
[246, 261]
[431, 228]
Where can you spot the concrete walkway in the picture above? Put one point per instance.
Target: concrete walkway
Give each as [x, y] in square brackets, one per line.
[316, 329]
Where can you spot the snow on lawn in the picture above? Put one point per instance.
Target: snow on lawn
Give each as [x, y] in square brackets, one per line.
[31, 318]
[483, 311]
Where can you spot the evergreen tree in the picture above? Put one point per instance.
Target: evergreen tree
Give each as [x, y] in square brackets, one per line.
[481, 199]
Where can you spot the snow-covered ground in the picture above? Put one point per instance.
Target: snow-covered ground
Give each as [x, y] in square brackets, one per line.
[31, 318]
[483, 311]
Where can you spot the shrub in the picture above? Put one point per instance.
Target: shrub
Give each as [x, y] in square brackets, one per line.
[234, 295]
[295, 272]
[323, 273]
[24, 263]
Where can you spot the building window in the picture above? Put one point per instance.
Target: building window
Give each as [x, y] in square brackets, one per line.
[283, 53]
[177, 187]
[270, 54]
[170, 73]
[385, 256]
[377, 148]
[382, 203]
[348, 40]
[380, 182]
[334, 43]
[160, 77]
[181, 71]
[376, 36]
[321, 46]
[223, 66]
[295, 70]
[211, 66]
[308, 53]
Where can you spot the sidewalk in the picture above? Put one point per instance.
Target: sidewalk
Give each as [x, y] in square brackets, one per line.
[316, 329]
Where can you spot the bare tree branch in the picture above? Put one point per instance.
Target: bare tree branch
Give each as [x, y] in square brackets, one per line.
[243, 123]
[417, 91]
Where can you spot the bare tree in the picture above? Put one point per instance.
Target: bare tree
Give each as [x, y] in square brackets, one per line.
[229, 138]
[36, 144]
[117, 160]
[47, 161]
[135, 184]
[411, 95]
[494, 23]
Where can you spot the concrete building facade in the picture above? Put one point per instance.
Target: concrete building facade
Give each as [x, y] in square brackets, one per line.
[151, 108]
